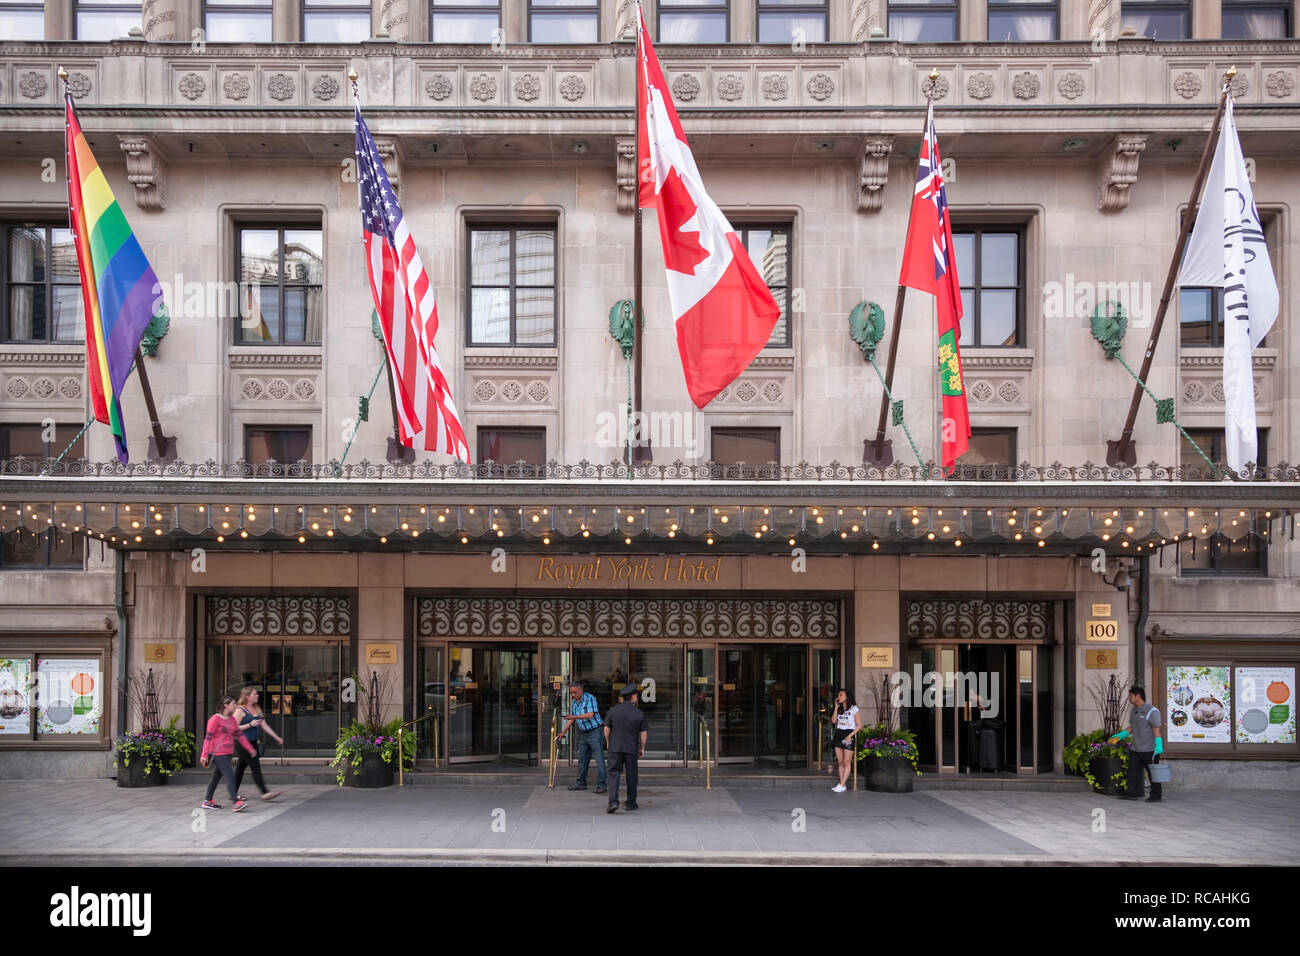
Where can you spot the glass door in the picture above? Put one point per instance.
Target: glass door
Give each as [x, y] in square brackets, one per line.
[555, 703]
[430, 700]
[736, 694]
[700, 665]
[826, 683]
[781, 686]
[492, 702]
[657, 671]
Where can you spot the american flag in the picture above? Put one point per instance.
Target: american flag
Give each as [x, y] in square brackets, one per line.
[408, 314]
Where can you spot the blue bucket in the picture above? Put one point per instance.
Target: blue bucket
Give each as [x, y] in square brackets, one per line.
[1160, 772]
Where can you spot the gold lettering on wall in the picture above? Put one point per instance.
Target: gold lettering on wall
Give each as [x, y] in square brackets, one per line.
[670, 570]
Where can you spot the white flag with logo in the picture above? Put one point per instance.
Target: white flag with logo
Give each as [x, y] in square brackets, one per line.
[1227, 250]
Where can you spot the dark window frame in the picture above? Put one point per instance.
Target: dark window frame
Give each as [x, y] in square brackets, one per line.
[1006, 6]
[355, 9]
[558, 12]
[1219, 541]
[281, 227]
[706, 6]
[266, 7]
[1160, 6]
[1287, 8]
[6, 284]
[743, 229]
[803, 8]
[51, 450]
[284, 469]
[1269, 223]
[968, 472]
[750, 469]
[513, 228]
[953, 8]
[1020, 232]
[512, 469]
[435, 8]
[78, 6]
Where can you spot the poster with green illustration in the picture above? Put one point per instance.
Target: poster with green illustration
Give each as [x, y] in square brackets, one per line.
[1198, 705]
[15, 696]
[68, 695]
[1265, 705]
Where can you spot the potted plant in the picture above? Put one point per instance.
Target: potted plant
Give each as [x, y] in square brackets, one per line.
[148, 757]
[366, 753]
[1103, 765]
[887, 758]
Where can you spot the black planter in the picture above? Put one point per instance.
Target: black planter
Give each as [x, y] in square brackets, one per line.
[888, 774]
[1103, 768]
[135, 776]
[371, 775]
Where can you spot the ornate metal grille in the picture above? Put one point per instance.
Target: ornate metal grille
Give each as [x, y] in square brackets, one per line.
[976, 620]
[273, 616]
[628, 618]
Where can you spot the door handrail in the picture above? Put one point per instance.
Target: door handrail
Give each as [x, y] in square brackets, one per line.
[437, 719]
[822, 721]
[706, 753]
[555, 746]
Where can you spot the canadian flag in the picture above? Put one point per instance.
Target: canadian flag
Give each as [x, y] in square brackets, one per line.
[723, 309]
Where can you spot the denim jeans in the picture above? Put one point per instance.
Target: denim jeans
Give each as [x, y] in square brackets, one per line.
[591, 743]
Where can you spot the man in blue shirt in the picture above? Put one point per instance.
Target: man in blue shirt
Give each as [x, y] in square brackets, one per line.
[590, 733]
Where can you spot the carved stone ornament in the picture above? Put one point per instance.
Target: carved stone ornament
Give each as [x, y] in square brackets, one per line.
[483, 87]
[528, 87]
[685, 88]
[980, 620]
[625, 174]
[1280, 84]
[192, 86]
[1119, 171]
[979, 86]
[874, 173]
[1071, 85]
[281, 86]
[325, 88]
[939, 86]
[272, 616]
[731, 87]
[775, 87]
[1026, 86]
[33, 85]
[78, 85]
[144, 171]
[573, 87]
[438, 87]
[1239, 86]
[820, 86]
[1187, 85]
[236, 86]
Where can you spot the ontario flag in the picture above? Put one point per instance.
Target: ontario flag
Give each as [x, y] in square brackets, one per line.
[723, 310]
[929, 265]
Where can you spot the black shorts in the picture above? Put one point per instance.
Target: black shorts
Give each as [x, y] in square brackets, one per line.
[840, 737]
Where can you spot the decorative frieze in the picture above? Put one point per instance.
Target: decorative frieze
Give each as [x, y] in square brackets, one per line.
[976, 620]
[35, 387]
[530, 360]
[275, 388]
[278, 616]
[267, 357]
[515, 391]
[753, 392]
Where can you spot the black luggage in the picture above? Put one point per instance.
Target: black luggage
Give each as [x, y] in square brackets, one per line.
[990, 750]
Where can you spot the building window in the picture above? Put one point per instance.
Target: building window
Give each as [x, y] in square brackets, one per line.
[464, 21]
[106, 19]
[280, 275]
[747, 452]
[1255, 21]
[921, 21]
[769, 250]
[1200, 308]
[42, 287]
[512, 285]
[22, 21]
[786, 21]
[1158, 19]
[500, 450]
[990, 266]
[286, 446]
[693, 21]
[335, 21]
[563, 21]
[990, 449]
[1220, 554]
[52, 547]
[1022, 21]
[237, 21]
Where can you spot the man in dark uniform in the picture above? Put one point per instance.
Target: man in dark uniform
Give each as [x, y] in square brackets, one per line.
[625, 733]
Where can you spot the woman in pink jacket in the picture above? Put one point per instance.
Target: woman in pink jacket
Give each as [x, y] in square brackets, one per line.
[218, 748]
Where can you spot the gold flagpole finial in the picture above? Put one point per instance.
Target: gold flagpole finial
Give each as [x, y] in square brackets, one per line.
[352, 75]
[1232, 71]
[934, 74]
[63, 74]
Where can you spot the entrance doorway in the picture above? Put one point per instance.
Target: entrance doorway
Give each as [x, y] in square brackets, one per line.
[763, 708]
[490, 697]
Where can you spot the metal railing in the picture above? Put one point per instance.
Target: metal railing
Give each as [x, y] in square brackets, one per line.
[555, 746]
[821, 740]
[437, 722]
[706, 753]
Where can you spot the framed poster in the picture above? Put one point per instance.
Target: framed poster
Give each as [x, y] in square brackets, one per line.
[15, 696]
[1198, 705]
[1265, 705]
[68, 698]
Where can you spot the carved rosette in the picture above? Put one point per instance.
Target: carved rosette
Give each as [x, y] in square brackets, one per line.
[192, 86]
[236, 86]
[1026, 86]
[1239, 86]
[1280, 84]
[573, 88]
[685, 88]
[1187, 85]
[483, 87]
[325, 88]
[281, 87]
[874, 173]
[776, 87]
[1071, 85]
[940, 87]
[438, 87]
[820, 86]
[78, 85]
[731, 87]
[979, 86]
[528, 87]
[33, 85]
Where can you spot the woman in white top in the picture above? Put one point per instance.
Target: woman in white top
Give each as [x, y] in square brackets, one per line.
[848, 721]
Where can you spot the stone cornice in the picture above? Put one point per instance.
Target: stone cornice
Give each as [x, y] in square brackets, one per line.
[479, 361]
[275, 358]
[22, 357]
[1212, 359]
[772, 361]
[1013, 359]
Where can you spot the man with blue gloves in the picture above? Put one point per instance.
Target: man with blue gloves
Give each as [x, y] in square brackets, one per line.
[1144, 728]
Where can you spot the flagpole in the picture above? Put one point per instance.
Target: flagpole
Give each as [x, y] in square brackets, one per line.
[1124, 451]
[639, 451]
[878, 452]
[161, 447]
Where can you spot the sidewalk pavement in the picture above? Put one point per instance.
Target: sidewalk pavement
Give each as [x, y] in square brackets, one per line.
[66, 822]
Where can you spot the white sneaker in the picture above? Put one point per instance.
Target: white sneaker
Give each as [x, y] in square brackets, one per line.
[839, 788]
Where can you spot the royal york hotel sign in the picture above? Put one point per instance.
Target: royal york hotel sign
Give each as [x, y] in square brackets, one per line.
[666, 569]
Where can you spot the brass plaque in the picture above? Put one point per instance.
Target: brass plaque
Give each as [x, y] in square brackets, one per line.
[728, 686]
[471, 685]
[160, 653]
[557, 679]
[1101, 631]
[1102, 658]
[1101, 610]
[701, 680]
[381, 653]
[877, 657]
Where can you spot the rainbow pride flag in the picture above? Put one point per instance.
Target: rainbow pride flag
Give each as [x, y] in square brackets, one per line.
[118, 286]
